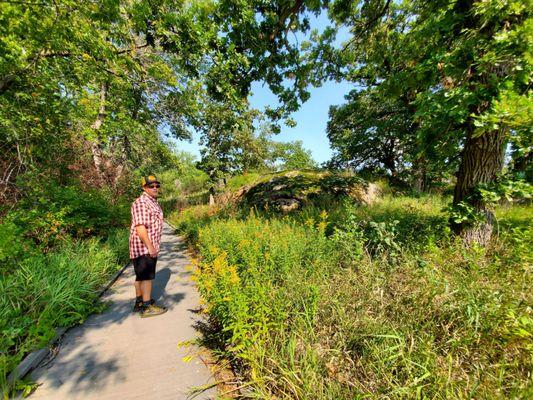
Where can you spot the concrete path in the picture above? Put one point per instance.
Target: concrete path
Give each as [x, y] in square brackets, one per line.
[117, 355]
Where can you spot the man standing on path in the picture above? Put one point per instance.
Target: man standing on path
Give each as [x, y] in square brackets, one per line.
[145, 242]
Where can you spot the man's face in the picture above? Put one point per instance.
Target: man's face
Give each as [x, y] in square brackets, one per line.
[152, 190]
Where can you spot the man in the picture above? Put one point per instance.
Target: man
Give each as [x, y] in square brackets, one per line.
[145, 242]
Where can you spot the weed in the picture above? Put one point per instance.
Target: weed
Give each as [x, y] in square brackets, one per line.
[368, 301]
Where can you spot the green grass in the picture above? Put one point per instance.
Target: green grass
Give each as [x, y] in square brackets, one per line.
[237, 181]
[57, 289]
[371, 302]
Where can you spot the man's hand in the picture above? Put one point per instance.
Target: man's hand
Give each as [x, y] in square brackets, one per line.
[143, 235]
[152, 251]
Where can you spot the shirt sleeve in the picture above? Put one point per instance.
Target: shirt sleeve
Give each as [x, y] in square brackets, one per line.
[139, 214]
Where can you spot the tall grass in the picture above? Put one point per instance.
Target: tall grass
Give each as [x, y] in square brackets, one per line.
[57, 289]
[370, 302]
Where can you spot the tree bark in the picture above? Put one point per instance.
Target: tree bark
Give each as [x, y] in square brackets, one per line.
[96, 146]
[481, 161]
[420, 174]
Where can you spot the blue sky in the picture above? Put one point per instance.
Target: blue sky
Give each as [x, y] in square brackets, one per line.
[312, 117]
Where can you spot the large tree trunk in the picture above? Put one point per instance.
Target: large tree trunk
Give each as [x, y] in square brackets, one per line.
[481, 161]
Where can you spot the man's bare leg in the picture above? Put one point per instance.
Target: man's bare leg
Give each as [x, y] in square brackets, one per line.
[138, 292]
[146, 290]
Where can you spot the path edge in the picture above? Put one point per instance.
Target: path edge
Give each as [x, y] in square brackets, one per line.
[233, 370]
[33, 359]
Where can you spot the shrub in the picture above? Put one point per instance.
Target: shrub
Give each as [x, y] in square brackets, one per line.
[178, 185]
[50, 214]
[13, 246]
[244, 276]
[189, 221]
[370, 301]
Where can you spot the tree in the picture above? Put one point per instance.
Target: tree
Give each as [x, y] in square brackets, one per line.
[290, 155]
[459, 64]
[77, 80]
[372, 130]
[101, 83]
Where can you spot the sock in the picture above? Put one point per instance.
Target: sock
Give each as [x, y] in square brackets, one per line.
[138, 299]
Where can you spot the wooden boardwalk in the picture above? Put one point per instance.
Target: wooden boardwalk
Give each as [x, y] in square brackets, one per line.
[117, 355]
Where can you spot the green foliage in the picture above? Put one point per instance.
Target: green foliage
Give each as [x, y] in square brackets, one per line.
[505, 189]
[368, 301]
[248, 178]
[433, 79]
[464, 213]
[59, 289]
[233, 146]
[371, 131]
[381, 238]
[51, 213]
[347, 242]
[191, 179]
[13, 246]
[290, 155]
[49, 276]
[243, 276]
[97, 88]
[491, 194]
[181, 187]
[191, 219]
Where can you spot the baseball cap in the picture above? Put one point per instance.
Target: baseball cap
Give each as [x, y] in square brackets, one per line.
[148, 180]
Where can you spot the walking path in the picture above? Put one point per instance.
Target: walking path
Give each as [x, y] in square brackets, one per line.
[117, 355]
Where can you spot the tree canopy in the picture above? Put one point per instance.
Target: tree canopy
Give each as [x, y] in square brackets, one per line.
[93, 89]
[443, 86]
[97, 83]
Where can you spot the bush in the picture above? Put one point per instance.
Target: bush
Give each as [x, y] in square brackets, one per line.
[50, 214]
[369, 301]
[190, 220]
[59, 245]
[13, 246]
[244, 276]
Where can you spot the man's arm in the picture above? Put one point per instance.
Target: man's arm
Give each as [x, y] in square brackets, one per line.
[143, 235]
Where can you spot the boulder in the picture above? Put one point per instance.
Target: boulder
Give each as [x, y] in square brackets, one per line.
[287, 205]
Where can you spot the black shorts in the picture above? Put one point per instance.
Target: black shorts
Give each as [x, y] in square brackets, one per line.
[144, 267]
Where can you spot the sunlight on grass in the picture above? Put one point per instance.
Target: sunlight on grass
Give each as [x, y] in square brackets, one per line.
[375, 301]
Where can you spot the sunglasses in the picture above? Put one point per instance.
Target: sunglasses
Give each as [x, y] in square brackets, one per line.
[154, 186]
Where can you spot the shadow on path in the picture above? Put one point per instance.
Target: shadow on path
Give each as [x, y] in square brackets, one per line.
[91, 373]
[160, 282]
[100, 359]
[119, 310]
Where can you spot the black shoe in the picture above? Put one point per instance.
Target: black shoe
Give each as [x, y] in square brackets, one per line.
[138, 306]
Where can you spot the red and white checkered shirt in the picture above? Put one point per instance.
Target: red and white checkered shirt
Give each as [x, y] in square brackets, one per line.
[145, 211]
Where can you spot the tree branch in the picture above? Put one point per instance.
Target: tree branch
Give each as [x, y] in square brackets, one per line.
[368, 25]
[26, 3]
[133, 48]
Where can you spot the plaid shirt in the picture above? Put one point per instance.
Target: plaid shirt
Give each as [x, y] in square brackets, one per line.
[145, 211]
